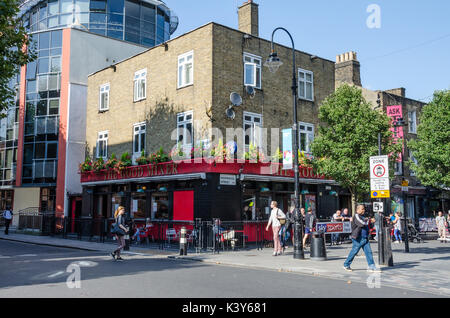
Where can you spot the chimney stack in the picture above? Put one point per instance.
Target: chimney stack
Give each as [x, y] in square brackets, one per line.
[249, 18]
[348, 69]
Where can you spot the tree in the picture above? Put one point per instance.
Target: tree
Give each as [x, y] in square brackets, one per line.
[13, 38]
[348, 136]
[432, 146]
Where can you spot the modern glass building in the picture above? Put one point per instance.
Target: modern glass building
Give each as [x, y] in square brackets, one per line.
[145, 22]
[38, 151]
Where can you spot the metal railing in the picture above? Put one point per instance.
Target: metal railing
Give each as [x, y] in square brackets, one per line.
[43, 222]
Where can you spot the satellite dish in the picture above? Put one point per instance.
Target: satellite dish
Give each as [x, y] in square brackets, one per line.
[230, 113]
[250, 91]
[235, 99]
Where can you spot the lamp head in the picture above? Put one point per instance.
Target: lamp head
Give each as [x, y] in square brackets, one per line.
[273, 62]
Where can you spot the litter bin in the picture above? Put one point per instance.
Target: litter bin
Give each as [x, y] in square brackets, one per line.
[318, 249]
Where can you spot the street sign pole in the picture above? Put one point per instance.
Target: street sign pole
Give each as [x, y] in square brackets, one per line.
[380, 190]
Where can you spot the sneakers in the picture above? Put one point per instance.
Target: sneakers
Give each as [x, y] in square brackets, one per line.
[113, 255]
[119, 259]
[348, 269]
[373, 269]
[274, 254]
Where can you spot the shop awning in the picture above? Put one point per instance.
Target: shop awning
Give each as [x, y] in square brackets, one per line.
[182, 177]
[252, 177]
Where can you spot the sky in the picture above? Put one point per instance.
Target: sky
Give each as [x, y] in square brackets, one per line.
[410, 46]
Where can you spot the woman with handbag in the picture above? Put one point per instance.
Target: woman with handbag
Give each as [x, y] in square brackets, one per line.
[277, 217]
[120, 231]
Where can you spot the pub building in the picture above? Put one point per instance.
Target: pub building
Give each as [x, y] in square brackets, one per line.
[182, 191]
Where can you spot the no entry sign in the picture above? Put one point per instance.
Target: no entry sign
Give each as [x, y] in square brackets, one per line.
[379, 177]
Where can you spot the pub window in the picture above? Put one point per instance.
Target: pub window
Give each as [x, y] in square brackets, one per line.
[186, 69]
[252, 70]
[184, 129]
[160, 206]
[138, 138]
[140, 82]
[252, 129]
[104, 97]
[102, 145]
[306, 136]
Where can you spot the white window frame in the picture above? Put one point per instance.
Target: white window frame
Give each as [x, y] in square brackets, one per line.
[103, 89]
[139, 77]
[412, 122]
[137, 134]
[101, 137]
[398, 169]
[256, 66]
[183, 124]
[182, 62]
[308, 130]
[255, 133]
[302, 83]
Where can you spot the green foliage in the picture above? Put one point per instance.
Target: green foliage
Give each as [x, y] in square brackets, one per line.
[348, 137]
[432, 147]
[99, 165]
[87, 165]
[13, 38]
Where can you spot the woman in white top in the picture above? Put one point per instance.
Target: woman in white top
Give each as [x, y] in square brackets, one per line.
[275, 215]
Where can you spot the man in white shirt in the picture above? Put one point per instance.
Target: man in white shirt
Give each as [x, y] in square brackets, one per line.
[440, 222]
[7, 215]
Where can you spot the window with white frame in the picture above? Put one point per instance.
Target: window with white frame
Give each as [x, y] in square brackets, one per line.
[185, 129]
[140, 83]
[102, 145]
[138, 138]
[306, 136]
[252, 70]
[186, 69]
[252, 129]
[104, 97]
[306, 84]
[412, 122]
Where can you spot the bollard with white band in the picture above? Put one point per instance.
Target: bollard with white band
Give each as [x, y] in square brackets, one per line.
[183, 241]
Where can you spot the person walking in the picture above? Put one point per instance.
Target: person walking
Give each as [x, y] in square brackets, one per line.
[397, 228]
[310, 220]
[441, 225]
[8, 216]
[286, 233]
[120, 235]
[276, 217]
[360, 240]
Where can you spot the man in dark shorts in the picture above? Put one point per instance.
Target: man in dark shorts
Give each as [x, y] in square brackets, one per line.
[310, 219]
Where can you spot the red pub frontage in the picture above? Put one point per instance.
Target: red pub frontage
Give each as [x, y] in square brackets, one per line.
[185, 191]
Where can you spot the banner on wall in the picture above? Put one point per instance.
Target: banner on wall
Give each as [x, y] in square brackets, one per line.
[395, 112]
[287, 148]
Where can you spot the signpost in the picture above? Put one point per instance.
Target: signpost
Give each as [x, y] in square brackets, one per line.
[379, 177]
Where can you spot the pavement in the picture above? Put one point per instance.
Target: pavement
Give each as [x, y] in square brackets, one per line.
[425, 268]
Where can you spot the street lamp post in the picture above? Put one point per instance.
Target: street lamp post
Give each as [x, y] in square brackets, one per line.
[401, 123]
[273, 63]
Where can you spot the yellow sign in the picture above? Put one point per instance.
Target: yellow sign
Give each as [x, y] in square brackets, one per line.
[405, 183]
[380, 194]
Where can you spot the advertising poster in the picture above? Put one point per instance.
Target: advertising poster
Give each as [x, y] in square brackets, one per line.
[310, 202]
[287, 148]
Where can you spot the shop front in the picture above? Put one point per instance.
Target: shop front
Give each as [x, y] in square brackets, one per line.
[184, 192]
